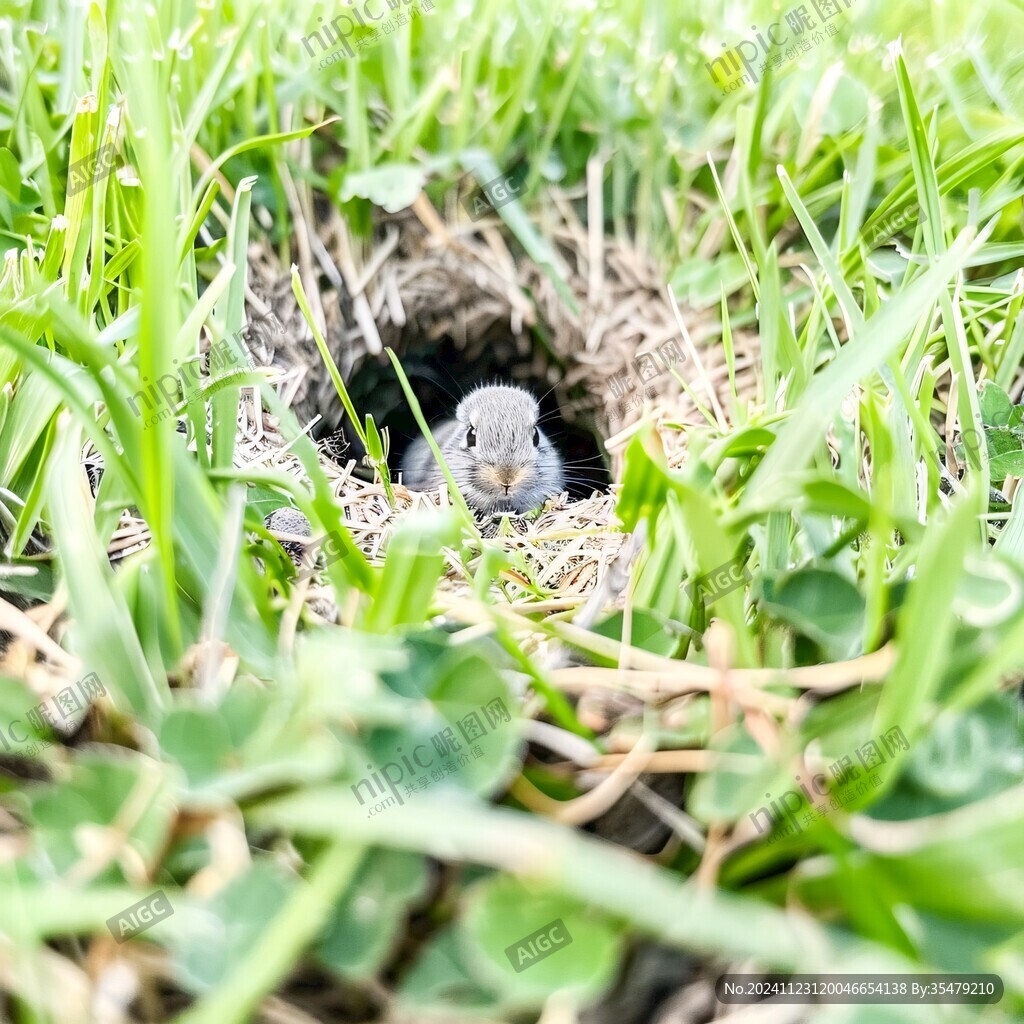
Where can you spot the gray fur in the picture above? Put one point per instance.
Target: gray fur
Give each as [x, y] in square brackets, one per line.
[503, 472]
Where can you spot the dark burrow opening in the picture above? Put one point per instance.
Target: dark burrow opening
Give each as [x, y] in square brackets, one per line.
[442, 371]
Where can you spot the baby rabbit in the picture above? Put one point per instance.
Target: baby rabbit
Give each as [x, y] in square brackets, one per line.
[498, 455]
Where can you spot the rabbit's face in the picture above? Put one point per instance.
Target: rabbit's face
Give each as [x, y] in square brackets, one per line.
[504, 461]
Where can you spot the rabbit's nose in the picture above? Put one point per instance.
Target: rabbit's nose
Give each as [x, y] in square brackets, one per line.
[508, 476]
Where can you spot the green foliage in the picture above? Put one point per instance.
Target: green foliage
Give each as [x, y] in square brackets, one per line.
[469, 966]
[863, 221]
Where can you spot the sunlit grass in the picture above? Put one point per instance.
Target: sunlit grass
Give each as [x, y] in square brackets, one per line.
[767, 207]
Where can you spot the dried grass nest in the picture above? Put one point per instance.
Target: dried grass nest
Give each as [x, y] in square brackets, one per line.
[425, 276]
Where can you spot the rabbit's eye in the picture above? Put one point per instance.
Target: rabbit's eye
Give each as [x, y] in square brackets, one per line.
[536, 437]
[471, 438]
